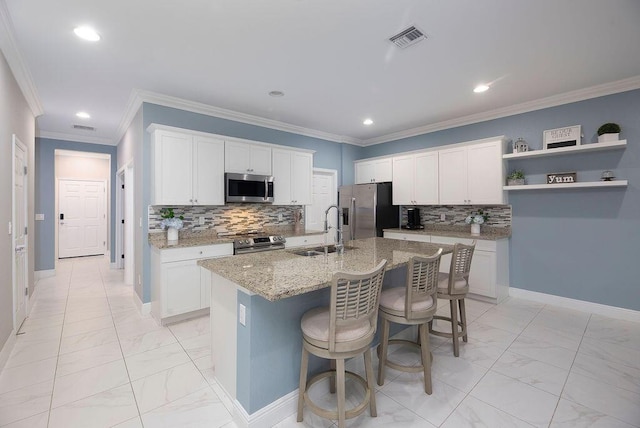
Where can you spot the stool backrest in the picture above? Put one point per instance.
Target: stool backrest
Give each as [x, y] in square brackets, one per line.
[460, 267]
[422, 283]
[354, 298]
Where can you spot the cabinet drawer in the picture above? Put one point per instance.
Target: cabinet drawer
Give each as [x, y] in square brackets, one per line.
[301, 241]
[408, 236]
[194, 253]
[481, 244]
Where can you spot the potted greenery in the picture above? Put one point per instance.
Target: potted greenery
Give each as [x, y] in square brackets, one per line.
[475, 219]
[608, 132]
[515, 178]
[171, 223]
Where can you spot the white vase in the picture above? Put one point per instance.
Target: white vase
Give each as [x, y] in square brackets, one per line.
[475, 229]
[172, 234]
[605, 138]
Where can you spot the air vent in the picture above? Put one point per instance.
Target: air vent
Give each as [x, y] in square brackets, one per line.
[84, 128]
[408, 37]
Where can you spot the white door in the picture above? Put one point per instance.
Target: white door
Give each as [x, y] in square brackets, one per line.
[19, 232]
[325, 194]
[82, 218]
[129, 252]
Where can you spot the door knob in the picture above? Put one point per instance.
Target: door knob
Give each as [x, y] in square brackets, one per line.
[20, 249]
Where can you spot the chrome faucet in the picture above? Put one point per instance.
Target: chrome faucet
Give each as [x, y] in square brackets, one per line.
[339, 243]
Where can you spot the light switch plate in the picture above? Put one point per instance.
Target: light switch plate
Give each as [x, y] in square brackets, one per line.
[242, 314]
[39, 217]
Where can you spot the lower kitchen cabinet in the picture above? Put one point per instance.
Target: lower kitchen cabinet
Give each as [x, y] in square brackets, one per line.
[177, 288]
[301, 241]
[489, 277]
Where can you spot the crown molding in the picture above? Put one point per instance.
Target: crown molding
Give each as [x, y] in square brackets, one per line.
[139, 96]
[134, 104]
[552, 101]
[16, 62]
[76, 138]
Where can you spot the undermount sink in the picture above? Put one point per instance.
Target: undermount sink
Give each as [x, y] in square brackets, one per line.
[318, 251]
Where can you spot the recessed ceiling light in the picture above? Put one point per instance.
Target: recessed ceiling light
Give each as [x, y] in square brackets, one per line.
[367, 122]
[83, 115]
[87, 33]
[276, 94]
[481, 88]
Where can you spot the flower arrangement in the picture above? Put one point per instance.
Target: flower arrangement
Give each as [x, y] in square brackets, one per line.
[477, 217]
[169, 219]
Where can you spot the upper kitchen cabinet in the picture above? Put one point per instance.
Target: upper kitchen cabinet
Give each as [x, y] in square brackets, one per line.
[292, 172]
[187, 168]
[374, 170]
[247, 158]
[472, 174]
[415, 179]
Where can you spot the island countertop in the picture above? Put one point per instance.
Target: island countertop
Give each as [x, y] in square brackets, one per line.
[279, 274]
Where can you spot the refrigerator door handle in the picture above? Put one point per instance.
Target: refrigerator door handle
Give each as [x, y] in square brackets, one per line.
[352, 218]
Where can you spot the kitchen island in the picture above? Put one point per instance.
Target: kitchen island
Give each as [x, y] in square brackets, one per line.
[257, 301]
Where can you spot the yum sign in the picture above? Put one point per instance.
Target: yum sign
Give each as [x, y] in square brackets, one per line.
[561, 177]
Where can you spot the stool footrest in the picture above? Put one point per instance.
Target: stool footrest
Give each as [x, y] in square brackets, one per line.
[461, 332]
[333, 414]
[401, 367]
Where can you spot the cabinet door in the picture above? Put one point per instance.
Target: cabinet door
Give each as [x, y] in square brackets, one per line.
[208, 171]
[180, 287]
[403, 180]
[236, 157]
[485, 174]
[301, 178]
[452, 173]
[281, 162]
[383, 170]
[364, 172]
[260, 160]
[426, 178]
[482, 278]
[205, 288]
[172, 163]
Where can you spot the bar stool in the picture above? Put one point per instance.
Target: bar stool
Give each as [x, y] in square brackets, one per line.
[414, 304]
[453, 287]
[343, 330]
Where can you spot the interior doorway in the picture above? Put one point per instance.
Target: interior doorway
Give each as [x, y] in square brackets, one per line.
[324, 194]
[124, 222]
[18, 230]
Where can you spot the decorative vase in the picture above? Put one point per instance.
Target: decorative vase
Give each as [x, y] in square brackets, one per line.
[172, 234]
[605, 138]
[475, 229]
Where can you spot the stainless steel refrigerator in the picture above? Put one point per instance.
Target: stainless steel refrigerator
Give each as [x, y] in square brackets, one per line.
[366, 210]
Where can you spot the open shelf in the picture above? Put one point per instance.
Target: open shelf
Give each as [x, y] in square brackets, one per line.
[594, 147]
[586, 184]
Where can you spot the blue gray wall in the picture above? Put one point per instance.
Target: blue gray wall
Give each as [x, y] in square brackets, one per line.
[580, 244]
[45, 246]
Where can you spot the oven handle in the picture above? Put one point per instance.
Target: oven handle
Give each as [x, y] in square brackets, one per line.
[266, 189]
[258, 249]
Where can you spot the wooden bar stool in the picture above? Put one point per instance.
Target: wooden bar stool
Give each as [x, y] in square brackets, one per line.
[414, 304]
[453, 287]
[343, 330]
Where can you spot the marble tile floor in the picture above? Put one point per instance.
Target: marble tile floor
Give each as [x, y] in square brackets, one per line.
[85, 357]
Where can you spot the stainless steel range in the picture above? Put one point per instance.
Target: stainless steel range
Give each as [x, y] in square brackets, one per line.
[253, 244]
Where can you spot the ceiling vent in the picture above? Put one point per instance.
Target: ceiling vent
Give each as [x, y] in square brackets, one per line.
[84, 128]
[408, 37]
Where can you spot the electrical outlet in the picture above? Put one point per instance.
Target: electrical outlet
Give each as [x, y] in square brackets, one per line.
[242, 314]
[279, 216]
[139, 280]
[443, 217]
[201, 220]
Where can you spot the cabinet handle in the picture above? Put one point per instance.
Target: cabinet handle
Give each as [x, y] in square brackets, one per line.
[200, 252]
[196, 201]
[190, 200]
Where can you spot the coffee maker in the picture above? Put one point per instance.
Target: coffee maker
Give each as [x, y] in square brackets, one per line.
[413, 219]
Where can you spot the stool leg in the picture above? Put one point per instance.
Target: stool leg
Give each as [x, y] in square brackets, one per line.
[454, 327]
[341, 392]
[304, 364]
[332, 378]
[384, 345]
[368, 366]
[463, 319]
[425, 352]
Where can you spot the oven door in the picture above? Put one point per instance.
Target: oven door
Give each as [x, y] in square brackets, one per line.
[248, 188]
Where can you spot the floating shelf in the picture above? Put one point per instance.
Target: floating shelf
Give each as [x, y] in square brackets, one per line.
[594, 147]
[586, 184]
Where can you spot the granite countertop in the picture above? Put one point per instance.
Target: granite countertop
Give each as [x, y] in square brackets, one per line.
[279, 274]
[486, 233]
[210, 237]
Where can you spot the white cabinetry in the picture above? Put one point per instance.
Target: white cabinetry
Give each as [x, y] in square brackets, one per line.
[374, 171]
[301, 241]
[292, 172]
[415, 179]
[489, 277]
[472, 174]
[176, 284]
[247, 158]
[187, 169]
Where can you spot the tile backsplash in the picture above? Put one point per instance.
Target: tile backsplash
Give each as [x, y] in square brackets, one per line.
[229, 219]
[499, 215]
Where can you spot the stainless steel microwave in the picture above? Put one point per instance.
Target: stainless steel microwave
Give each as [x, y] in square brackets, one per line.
[248, 188]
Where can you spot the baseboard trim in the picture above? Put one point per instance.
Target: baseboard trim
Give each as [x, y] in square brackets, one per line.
[7, 348]
[579, 305]
[144, 308]
[40, 274]
[269, 415]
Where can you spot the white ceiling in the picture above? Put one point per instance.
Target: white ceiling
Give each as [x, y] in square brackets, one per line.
[330, 57]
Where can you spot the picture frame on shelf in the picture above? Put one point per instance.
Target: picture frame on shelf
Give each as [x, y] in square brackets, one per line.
[568, 136]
